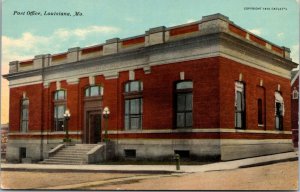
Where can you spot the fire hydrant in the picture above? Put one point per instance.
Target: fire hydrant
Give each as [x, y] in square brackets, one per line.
[177, 160]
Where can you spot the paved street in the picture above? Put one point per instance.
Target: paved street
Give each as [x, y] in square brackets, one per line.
[277, 176]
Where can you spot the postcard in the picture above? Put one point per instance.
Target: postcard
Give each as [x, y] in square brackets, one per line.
[150, 95]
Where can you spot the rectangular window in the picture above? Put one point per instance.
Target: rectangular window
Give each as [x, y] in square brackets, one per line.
[22, 152]
[59, 111]
[133, 113]
[279, 111]
[260, 112]
[279, 117]
[182, 153]
[130, 153]
[184, 115]
[24, 115]
[239, 105]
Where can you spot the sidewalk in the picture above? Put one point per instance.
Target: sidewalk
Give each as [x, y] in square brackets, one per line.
[155, 169]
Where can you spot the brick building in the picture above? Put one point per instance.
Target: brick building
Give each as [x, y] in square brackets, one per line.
[295, 106]
[208, 89]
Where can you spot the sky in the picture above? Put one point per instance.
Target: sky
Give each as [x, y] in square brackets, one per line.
[24, 36]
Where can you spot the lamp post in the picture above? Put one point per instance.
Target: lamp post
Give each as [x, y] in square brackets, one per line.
[105, 113]
[67, 116]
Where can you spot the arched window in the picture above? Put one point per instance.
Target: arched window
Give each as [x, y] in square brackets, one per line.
[133, 105]
[59, 110]
[240, 121]
[295, 94]
[184, 104]
[24, 114]
[279, 111]
[93, 91]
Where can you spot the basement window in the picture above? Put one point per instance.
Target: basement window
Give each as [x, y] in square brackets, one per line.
[182, 153]
[22, 152]
[130, 153]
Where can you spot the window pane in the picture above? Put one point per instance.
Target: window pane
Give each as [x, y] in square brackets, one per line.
[126, 122]
[87, 92]
[59, 95]
[134, 122]
[127, 102]
[180, 120]
[141, 106]
[189, 102]
[238, 120]
[60, 111]
[25, 114]
[189, 119]
[184, 85]
[277, 122]
[135, 106]
[95, 91]
[134, 86]
[25, 102]
[239, 101]
[24, 126]
[180, 102]
[127, 87]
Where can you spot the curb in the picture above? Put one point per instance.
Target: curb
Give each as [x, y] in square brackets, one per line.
[91, 171]
[269, 162]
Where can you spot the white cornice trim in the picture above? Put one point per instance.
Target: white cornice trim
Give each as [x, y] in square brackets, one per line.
[198, 130]
[45, 133]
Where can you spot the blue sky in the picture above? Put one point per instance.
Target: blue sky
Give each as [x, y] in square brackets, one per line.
[24, 36]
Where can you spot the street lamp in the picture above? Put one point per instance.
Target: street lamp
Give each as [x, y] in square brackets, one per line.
[67, 116]
[105, 113]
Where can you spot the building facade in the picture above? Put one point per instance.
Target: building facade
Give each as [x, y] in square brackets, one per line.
[208, 89]
[295, 107]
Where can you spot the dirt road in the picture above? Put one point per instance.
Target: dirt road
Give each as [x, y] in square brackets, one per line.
[279, 176]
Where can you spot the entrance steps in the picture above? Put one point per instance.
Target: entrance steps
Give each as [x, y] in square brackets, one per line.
[71, 155]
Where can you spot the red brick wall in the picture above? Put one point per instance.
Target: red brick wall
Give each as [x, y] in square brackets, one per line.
[158, 94]
[185, 29]
[257, 40]
[237, 30]
[229, 72]
[213, 97]
[34, 94]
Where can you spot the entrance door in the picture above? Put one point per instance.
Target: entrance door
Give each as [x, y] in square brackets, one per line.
[93, 131]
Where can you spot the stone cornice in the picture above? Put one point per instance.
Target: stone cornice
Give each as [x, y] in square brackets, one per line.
[145, 57]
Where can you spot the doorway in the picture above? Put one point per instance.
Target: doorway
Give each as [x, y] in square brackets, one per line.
[93, 125]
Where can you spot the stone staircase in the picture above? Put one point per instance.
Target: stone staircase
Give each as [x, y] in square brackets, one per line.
[70, 155]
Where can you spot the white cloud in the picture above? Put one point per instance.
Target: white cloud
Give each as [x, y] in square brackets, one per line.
[132, 19]
[280, 35]
[30, 44]
[191, 20]
[82, 33]
[257, 31]
[295, 53]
